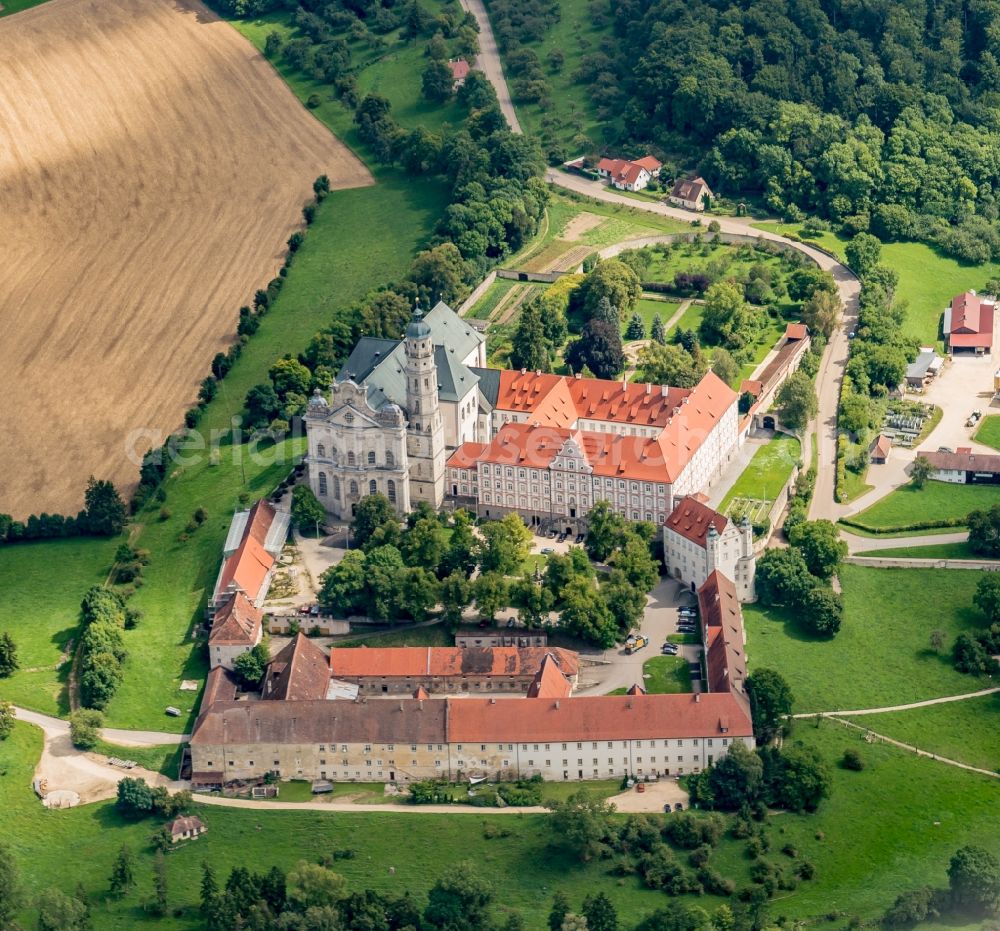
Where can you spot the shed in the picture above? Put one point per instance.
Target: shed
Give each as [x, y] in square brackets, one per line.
[879, 450]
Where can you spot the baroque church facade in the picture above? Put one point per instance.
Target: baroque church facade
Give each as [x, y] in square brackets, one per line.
[394, 410]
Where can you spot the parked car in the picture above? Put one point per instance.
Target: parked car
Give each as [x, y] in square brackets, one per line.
[546, 550]
[580, 537]
[562, 538]
[687, 612]
[669, 649]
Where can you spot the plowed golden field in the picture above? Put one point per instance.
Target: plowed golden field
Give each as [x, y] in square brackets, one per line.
[152, 166]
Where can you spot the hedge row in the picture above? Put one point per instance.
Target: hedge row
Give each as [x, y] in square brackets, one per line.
[903, 528]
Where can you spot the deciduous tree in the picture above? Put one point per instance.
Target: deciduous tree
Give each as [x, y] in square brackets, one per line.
[797, 402]
[771, 701]
[820, 545]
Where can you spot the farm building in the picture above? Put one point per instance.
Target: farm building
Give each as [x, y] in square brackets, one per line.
[236, 628]
[698, 541]
[400, 670]
[690, 193]
[968, 324]
[924, 368]
[964, 467]
[252, 546]
[500, 637]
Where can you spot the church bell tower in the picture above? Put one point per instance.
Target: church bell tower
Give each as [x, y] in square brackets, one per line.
[425, 432]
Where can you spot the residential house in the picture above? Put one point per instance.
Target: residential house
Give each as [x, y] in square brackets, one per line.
[237, 627]
[629, 175]
[690, 193]
[459, 71]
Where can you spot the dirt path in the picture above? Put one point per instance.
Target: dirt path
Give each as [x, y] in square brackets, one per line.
[924, 753]
[489, 63]
[152, 166]
[917, 704]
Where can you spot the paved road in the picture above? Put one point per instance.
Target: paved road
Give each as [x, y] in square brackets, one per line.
[489, 61]
[857, 544]
[113, 735]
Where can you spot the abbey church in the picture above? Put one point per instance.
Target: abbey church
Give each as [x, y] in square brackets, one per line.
[424, 419]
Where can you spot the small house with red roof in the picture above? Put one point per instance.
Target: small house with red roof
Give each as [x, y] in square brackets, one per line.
[879, 450]
[698, 541]
[629, 175]
[459, 71]
[968, 324]
[690, 193]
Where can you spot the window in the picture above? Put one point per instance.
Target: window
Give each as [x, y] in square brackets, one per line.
[390, 459]
[372, 487]
[322, 483]
[350, 458]
[321, 450]
[336, 487]
[391, 489]
[354, 488]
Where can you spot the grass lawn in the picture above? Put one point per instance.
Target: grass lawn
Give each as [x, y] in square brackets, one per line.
[360, 239]
[925, 812]
[662, 675]
[42, 584]
[767, 472]
[436, 635]
[989, 431]
[882, 654]
[965, 731]
[648, 308]
[854, 485]
[931, 551]
[482, 309]
[164, 759]
[690, 320]
[928, 280]
[935, 501]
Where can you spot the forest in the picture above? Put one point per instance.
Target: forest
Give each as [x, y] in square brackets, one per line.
[880, 117]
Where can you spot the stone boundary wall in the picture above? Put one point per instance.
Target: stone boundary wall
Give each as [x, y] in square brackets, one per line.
[479, 291]
[900, 562]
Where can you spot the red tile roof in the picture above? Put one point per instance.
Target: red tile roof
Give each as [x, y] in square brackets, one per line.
[691, 519]
[881, 446]
[466, 456]
[421, 662]
[971, 322]
[246, 569]
[300, 672]
[686, 418]
[459, 69]
[968, 462]
[603, 717]
[635, 690]
[649, 163]
[722, 627]
[690, 189]
[237, 622]
[796, 331]
[549, 682]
